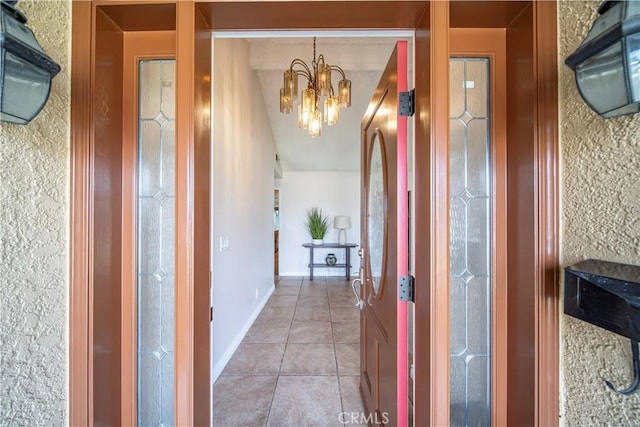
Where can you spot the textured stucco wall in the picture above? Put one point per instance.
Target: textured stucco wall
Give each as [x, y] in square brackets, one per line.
[34, 215]
[600, 218]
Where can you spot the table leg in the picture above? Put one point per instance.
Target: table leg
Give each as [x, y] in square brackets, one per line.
[311, 263]
[348, 262]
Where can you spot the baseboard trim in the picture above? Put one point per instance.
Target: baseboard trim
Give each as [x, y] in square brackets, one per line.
[226, 357]
[319, 272]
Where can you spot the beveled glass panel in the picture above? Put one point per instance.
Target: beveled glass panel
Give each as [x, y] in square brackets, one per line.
[150, 167]
[167, 390]
[476, 84]
[151, 92]
[458, 391]
[457, 160]
[478, 316]
[376, 193]
[470, 242]
[167, 237]
[149, 381]
[169, 89]
[149, 228]
[456, 88]
[168, 152]
[458, 316]
[478, 157]
[478, 236]
[150, 290]
[458, 236]
[166, 314]
[478, 391]
[156, 242]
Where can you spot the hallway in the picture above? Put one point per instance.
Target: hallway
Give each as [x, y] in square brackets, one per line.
[299, 363]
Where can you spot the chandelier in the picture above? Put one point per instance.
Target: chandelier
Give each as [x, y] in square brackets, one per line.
[319, 86]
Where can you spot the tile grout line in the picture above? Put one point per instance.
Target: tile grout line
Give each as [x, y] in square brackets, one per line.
[335, 355]
[273, 396]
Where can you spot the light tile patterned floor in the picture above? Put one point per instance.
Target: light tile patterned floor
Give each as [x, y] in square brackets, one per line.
[298, 364]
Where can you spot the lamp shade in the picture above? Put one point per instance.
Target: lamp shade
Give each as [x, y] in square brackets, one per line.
[607, 63]
[342, 223]
[26, 70]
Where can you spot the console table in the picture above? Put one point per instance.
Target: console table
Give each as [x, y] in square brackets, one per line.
[347, 250]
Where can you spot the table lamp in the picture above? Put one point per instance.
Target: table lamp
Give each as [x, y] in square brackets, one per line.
[342, 223]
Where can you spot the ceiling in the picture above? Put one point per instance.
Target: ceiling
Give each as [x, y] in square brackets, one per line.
[338, 149]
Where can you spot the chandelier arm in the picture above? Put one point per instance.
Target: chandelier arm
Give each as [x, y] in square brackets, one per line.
[306, 72]
[338, 69]
[303, 73]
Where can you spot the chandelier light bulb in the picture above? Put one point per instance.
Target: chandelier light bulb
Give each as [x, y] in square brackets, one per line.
[308, 100]
[324, 79]
[344, 93]
[315, 124]
[331, 111]
[286, 104]
[303, 117]
[291, 84]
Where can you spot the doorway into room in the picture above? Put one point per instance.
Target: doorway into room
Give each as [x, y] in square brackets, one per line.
[318, 315]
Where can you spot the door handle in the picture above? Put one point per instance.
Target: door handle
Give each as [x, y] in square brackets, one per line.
[356, 292]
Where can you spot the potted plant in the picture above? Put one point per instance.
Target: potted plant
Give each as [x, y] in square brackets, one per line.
[317, 225]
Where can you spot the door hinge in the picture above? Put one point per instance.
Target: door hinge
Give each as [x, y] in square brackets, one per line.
[407, 287]
[407, 104]
[210, 314]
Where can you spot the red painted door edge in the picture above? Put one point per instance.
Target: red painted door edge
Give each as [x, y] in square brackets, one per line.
[402, 373]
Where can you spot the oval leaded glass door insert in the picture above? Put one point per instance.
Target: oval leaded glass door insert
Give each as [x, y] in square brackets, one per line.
[376, 215]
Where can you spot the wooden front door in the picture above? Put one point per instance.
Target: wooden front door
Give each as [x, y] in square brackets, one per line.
[383, 143]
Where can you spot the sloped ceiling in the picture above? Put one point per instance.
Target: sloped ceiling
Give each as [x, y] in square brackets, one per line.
[338, 149]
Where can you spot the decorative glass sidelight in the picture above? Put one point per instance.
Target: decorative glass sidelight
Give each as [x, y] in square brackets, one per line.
[155, 241]
[470, 243]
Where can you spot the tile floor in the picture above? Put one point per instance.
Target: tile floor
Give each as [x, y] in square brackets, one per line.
[299, 363]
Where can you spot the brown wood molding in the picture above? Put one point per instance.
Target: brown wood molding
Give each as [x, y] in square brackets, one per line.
[547, 292]
[439, 215]
[80, 215]
[202, 222]
[184, 250]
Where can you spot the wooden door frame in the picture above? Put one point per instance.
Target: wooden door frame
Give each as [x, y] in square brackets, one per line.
[193, 20]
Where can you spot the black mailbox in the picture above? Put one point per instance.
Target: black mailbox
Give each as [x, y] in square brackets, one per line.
[606, 294]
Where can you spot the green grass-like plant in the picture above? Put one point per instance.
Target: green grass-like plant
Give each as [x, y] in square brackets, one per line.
[317, 223]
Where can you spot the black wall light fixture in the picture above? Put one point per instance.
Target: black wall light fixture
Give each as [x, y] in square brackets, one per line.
[25, 68]
[607, 63]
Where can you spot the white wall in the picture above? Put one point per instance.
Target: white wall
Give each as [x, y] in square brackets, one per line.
[336, 193]
[34, 241]
[243, 159]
